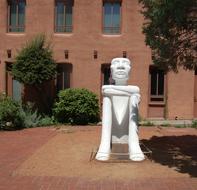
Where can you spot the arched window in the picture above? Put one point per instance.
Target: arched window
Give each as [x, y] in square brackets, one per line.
[106, 77]
[16, 15]
[64, 72]
[13, 87]
[157, 84]
[157, 103]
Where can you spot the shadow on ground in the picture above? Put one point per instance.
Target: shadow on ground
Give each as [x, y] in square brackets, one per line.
[178, 152]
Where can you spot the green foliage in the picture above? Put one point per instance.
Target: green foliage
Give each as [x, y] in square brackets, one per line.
[14, 115]
[76, 106]
[165, 124]
[30, 117]
[171, 32]
[146, 123]
[47, 121]
[194, 124]
[10, 117]
[34, 63]
[34, 66]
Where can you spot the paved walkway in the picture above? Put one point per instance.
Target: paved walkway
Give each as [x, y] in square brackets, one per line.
[51, 159]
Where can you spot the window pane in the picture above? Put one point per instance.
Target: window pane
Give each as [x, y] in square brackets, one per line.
[69, 18]
[116, 17]
[60, 17]
[21, 16]
[13, 16]
[66, 79]
[107, 14]
[59, 78]
[160, 83]
[107, 17]
[63, 76]
[153, 83]
[17, 89]
[106, 76]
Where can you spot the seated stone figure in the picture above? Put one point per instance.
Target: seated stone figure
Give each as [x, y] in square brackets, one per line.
[120, 112]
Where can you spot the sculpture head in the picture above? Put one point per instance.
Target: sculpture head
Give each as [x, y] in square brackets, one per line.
[120, 69]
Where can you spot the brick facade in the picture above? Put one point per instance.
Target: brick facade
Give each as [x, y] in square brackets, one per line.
[86, 37]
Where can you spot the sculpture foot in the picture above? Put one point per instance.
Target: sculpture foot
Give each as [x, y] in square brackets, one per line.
[137, 157]
[136, 153]
[102, 156]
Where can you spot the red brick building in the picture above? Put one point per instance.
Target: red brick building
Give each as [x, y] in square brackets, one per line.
[86, 35]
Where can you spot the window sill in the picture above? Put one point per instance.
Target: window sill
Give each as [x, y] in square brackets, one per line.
[156, 103]
[111, 35]
[63, 34]
[9, 60]
[15, 33]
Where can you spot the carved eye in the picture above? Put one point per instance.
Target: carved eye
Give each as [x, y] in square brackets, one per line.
[126, 62]
[116, 62]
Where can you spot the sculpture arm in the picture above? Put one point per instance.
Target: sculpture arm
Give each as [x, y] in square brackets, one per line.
[130, 89]
[113, 92]
[124, 89]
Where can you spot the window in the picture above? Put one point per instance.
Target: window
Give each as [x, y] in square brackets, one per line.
[63, 76]
[106, 75]
[16, 90]
[63, 16]
[111, 17]
[13, 87]
[16, 15]
[157, 84]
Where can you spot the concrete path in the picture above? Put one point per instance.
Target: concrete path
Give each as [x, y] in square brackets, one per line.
[55, 159]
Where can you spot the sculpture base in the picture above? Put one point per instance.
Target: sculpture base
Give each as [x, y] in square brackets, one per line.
[119, 153]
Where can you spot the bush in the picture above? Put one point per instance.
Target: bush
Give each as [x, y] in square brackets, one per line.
[14, 115]
[10, 117]
[76, 106]
[194, 124]
[47, 121]
[30, 117]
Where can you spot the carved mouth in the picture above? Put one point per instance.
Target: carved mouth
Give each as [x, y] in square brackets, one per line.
[120, 73]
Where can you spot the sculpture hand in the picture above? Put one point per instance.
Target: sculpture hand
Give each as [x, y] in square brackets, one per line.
[135, 99]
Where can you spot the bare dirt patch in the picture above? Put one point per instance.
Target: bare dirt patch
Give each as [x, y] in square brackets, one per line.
[68, 153]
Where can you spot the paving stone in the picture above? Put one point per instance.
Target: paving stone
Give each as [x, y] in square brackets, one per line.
[17, 147]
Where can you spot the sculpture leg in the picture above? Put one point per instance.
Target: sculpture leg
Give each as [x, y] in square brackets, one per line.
[135, 152]
[104, 148]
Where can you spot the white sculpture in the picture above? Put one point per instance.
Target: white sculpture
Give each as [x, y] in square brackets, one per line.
[120, 112]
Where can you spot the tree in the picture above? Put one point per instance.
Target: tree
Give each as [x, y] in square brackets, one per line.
[34, 66]
[171, 32]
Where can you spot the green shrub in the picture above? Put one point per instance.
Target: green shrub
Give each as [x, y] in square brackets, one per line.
[10, 117]
[194, 124]
[47, 121]
[30, 117]
[76, 106]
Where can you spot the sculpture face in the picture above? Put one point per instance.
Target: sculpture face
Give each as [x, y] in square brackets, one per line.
[120, 68]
